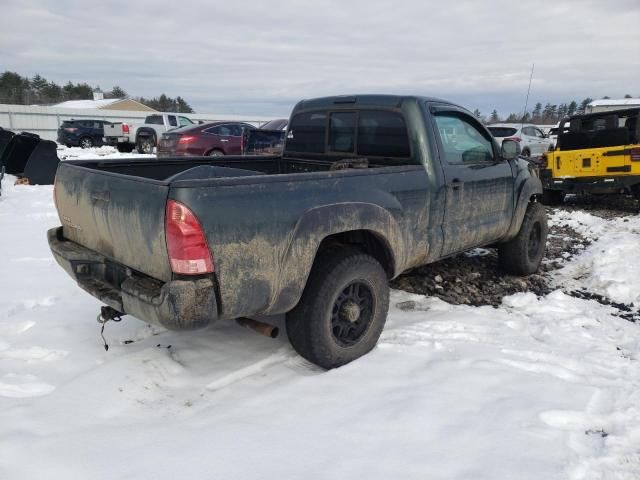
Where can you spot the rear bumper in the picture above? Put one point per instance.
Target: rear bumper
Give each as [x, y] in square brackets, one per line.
[114, 141]
[176, 305]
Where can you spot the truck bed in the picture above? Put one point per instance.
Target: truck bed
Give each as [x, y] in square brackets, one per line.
[172, 169]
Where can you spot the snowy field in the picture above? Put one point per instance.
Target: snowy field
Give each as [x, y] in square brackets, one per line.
[540, 388]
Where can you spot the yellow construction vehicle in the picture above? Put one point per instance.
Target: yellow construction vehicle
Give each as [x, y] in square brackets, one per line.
[596, 153]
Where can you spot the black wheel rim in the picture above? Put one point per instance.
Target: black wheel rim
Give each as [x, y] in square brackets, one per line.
[535, 239]
[352, 313]
[85, 143]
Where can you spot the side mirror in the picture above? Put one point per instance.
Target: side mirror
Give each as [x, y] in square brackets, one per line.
[510, 149]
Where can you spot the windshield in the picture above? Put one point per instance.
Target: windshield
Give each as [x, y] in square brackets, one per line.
[502, 131]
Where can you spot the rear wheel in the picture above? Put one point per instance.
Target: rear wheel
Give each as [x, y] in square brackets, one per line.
[146, 144]
[125, 147]
[552, 197]
[216, 153]
[526, 152]
[523, 254]
[85, 142]
[343, 309]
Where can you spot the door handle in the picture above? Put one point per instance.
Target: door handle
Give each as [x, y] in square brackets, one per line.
[455, 184]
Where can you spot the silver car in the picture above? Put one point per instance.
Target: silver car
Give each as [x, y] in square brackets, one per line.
[533, 141]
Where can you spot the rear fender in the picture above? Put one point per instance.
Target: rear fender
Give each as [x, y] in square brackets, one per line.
[313, 228]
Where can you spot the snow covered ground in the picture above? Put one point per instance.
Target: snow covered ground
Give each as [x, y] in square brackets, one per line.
[540, 388]
[77, 153]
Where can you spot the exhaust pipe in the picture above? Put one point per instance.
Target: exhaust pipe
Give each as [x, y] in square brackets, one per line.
[260, 327]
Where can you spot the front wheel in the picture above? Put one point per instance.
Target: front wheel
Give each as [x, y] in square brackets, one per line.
[522, 255]
[85, 142]
[342, 311]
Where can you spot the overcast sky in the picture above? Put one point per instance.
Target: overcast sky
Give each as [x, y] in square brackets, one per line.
[260, 57]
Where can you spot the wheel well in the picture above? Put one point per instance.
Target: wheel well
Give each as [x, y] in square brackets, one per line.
[365, 240]
[145, 133]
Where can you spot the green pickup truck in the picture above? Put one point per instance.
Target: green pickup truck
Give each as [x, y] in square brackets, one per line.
[367, 187]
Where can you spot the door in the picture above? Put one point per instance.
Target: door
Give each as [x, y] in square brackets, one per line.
[479, 184]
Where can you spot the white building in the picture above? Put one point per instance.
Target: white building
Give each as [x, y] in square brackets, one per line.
[607, 104]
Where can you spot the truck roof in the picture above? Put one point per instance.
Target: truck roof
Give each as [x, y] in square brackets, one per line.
[363, 100]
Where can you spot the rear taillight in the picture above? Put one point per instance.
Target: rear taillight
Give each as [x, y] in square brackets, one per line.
[125, 128]
[187, 139]
[186, 244]
[70, 129]
[515, 139]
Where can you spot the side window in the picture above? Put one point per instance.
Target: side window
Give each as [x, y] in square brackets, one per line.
[307, 133]
[530, 131]
[213, 130]
[172, 121]
[382, 134]
[184, 121]
[154, 120]
[98, 125]
[462, 141]
[235, 130]
[342, 130]
[539, 133]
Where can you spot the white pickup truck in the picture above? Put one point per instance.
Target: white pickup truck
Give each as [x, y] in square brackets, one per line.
[144, 137]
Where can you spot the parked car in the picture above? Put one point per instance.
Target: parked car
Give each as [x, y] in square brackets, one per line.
[208, 139]
[533, 142]
[82, 133]
[367, 187]
[596, 153]
[263, 142]
[143, 137]
[277, 124]
[554, 132]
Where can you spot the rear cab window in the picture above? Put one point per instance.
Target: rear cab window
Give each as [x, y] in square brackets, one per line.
[369, 133]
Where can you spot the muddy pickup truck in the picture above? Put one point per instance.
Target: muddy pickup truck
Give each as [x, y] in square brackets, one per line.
[366, 188]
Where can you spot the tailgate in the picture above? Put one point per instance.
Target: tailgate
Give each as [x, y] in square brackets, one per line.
[113, 130]
[121, 217]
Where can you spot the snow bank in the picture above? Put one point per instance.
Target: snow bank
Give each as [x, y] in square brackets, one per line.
[610, 266]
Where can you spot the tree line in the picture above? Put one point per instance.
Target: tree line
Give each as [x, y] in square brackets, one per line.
[18, 90]
[539, 115]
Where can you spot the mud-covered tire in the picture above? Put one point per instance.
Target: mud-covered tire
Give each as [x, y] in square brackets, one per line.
[522, 255]
[552, 197]
[526, 152]
[325, 327]
[125, 147]
[146, 144]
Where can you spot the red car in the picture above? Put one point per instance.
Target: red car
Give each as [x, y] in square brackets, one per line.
[209, 139]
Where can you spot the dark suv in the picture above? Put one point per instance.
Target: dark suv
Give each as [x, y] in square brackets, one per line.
[81, 133]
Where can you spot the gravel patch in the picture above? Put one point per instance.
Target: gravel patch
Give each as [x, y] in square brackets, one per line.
[474, 278]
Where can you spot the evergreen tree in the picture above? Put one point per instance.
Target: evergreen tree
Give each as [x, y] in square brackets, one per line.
[628, 96]
[583, 105]
[572, 107]
[537, 111]
[116, 92]
[494, 118]
[512, 118]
